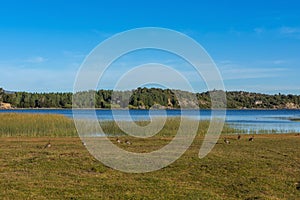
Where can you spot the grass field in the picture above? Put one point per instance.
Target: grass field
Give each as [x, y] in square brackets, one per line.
[41, 125]
[267, 168]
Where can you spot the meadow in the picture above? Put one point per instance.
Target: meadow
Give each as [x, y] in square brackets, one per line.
[267, 168]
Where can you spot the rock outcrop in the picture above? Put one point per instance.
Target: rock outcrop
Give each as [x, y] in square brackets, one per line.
[5, 105]
[291, 106]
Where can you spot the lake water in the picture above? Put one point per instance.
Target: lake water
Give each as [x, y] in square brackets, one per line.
[259, 121]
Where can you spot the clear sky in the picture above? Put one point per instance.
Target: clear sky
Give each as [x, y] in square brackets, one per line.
[255, 44]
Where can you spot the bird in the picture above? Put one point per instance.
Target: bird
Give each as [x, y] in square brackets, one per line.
[239, 136]
[226, 141]
[128, 142]
[297, 184]
[118, 140]
[251, 139]
[83, 143]
[48, 145]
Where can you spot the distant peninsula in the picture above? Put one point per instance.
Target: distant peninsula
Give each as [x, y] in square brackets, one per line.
[146, 98]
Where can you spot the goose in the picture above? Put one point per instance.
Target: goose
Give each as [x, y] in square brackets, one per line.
[226, 141]
[48, 145]
[118, 140]
[297, 184]
[128, 142]
[239, 136]
[251, 139]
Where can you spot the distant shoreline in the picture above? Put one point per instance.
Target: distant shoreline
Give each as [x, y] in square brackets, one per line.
[148, 109]
[147, 98]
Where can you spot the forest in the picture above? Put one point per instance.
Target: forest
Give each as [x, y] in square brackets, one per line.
[146, 98]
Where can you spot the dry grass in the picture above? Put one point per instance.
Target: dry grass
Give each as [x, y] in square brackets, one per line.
[267, 168]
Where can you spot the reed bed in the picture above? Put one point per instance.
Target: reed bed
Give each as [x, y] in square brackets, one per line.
[36, 125]
[40, 125]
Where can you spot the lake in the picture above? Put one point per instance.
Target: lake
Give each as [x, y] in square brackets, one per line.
[250, 121]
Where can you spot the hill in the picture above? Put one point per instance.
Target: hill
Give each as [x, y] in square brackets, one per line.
[145, 98]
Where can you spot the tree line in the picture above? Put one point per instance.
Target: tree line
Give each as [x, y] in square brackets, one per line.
[146, 98]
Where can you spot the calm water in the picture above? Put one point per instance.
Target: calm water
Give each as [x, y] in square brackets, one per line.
[247, 120]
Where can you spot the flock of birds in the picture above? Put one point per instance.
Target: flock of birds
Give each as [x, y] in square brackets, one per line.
[227, 141]
[48, 145]
[126, 141]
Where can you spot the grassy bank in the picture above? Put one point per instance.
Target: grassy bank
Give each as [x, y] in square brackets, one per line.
[41, 125]
[267, 168]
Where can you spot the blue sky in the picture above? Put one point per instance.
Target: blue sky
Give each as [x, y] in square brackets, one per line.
[255, 44]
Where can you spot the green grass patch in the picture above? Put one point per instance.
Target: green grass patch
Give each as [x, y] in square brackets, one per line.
[267, 168]
[170, 128]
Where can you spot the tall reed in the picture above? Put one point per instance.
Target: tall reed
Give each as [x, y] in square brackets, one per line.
[41, 125]
[36, 125]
